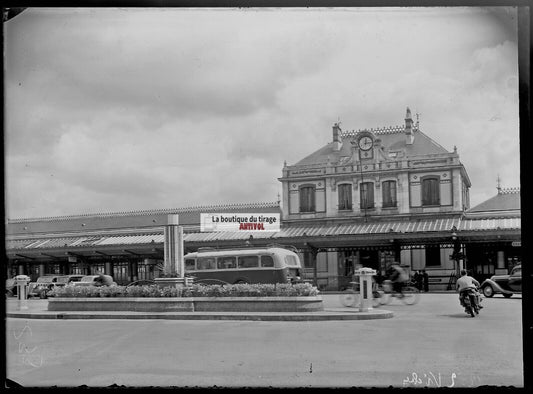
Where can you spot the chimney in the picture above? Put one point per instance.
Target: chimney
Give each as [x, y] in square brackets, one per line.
[409, 127]
[337, 139]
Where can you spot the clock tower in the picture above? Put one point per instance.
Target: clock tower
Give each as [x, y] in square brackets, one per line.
[365, 143]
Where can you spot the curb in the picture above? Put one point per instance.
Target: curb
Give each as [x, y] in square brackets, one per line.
[258, 316]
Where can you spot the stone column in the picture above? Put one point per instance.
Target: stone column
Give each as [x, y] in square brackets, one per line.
[173, 264]
[501, 259]
[173, 249]
[500, 263]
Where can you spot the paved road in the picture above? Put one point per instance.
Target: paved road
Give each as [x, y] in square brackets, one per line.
[431, 343]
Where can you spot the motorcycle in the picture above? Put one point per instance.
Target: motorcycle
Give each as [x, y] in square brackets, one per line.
[471, 300]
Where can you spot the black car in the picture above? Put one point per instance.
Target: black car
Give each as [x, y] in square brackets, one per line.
[507, 285]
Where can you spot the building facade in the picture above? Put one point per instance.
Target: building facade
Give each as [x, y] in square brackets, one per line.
[128, 246]
[389, 177]
[368, 198]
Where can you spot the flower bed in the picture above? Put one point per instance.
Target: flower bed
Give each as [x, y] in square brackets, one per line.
[301, 297]
[197, 290]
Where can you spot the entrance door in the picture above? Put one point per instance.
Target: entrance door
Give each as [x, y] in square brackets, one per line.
[369, 259]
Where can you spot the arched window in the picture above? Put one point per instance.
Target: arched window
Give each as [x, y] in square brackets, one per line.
[430, 191]
[389, 194]
[307, 199]
[345, 196]
[367, 195]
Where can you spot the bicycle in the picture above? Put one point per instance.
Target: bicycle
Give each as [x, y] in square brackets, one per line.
[352, 297]
[410, 295]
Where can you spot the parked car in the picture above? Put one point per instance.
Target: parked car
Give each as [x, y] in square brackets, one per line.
[141, 282]
[95, 280]
[42, 285]
[45, 284]
[507, 285]
[66, 279]
[11, 288]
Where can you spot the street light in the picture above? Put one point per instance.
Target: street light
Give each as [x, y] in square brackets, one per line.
[456, 255]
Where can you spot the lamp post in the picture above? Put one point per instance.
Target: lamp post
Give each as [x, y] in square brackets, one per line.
[456, 255]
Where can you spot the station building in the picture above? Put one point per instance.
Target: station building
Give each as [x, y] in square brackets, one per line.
[392, 194]
[367, 198]
[127, 245]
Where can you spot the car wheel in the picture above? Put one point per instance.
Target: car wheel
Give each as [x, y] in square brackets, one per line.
[488, 291]
[507, 295]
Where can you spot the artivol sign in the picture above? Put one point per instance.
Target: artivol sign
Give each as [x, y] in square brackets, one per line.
[260, 222]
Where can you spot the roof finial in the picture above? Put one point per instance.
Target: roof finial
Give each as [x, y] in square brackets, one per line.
[498, 185]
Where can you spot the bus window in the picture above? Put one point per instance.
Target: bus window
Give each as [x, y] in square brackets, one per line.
[291, 260]
[206, 263]
[225, 263]
[189, 264]
[248, 261]
[267, 261]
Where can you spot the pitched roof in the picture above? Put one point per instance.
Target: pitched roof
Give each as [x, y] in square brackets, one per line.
[505, 200]
[132, 220]
[392, 139]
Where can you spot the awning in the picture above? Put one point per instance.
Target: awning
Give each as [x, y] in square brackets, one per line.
[396, 228]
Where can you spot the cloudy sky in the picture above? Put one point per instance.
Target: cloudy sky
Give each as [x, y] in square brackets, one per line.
[110, 110]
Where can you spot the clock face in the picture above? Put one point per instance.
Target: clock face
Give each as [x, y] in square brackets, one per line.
[365, 143]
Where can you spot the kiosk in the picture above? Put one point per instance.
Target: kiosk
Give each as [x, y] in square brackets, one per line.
[365, 288]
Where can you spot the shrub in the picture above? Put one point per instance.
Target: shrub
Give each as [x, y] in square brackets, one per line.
[196, 290]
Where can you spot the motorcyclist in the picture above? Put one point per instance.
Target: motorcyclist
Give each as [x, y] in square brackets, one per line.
[464, 284]
[398, 277]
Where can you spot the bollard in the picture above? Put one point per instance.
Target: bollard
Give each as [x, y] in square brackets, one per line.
[22, 282]
[365, 288]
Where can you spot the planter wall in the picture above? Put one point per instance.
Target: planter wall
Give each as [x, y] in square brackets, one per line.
[258, 304]
[126, 304]
[198, 304]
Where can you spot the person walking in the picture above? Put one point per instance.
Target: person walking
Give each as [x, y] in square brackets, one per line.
[417, 277]
[425, 280]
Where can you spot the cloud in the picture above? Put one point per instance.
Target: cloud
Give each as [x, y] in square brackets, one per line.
[110, 110]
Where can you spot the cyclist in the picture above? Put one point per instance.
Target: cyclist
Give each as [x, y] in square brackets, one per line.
[398, 277]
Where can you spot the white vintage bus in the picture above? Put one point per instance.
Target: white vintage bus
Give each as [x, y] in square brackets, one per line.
[270, 264]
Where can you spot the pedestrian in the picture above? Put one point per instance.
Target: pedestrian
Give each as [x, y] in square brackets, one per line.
[379, 277]
[425, 280]
[418, 278]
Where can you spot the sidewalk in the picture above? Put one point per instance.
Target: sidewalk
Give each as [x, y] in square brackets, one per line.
[38, 309]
